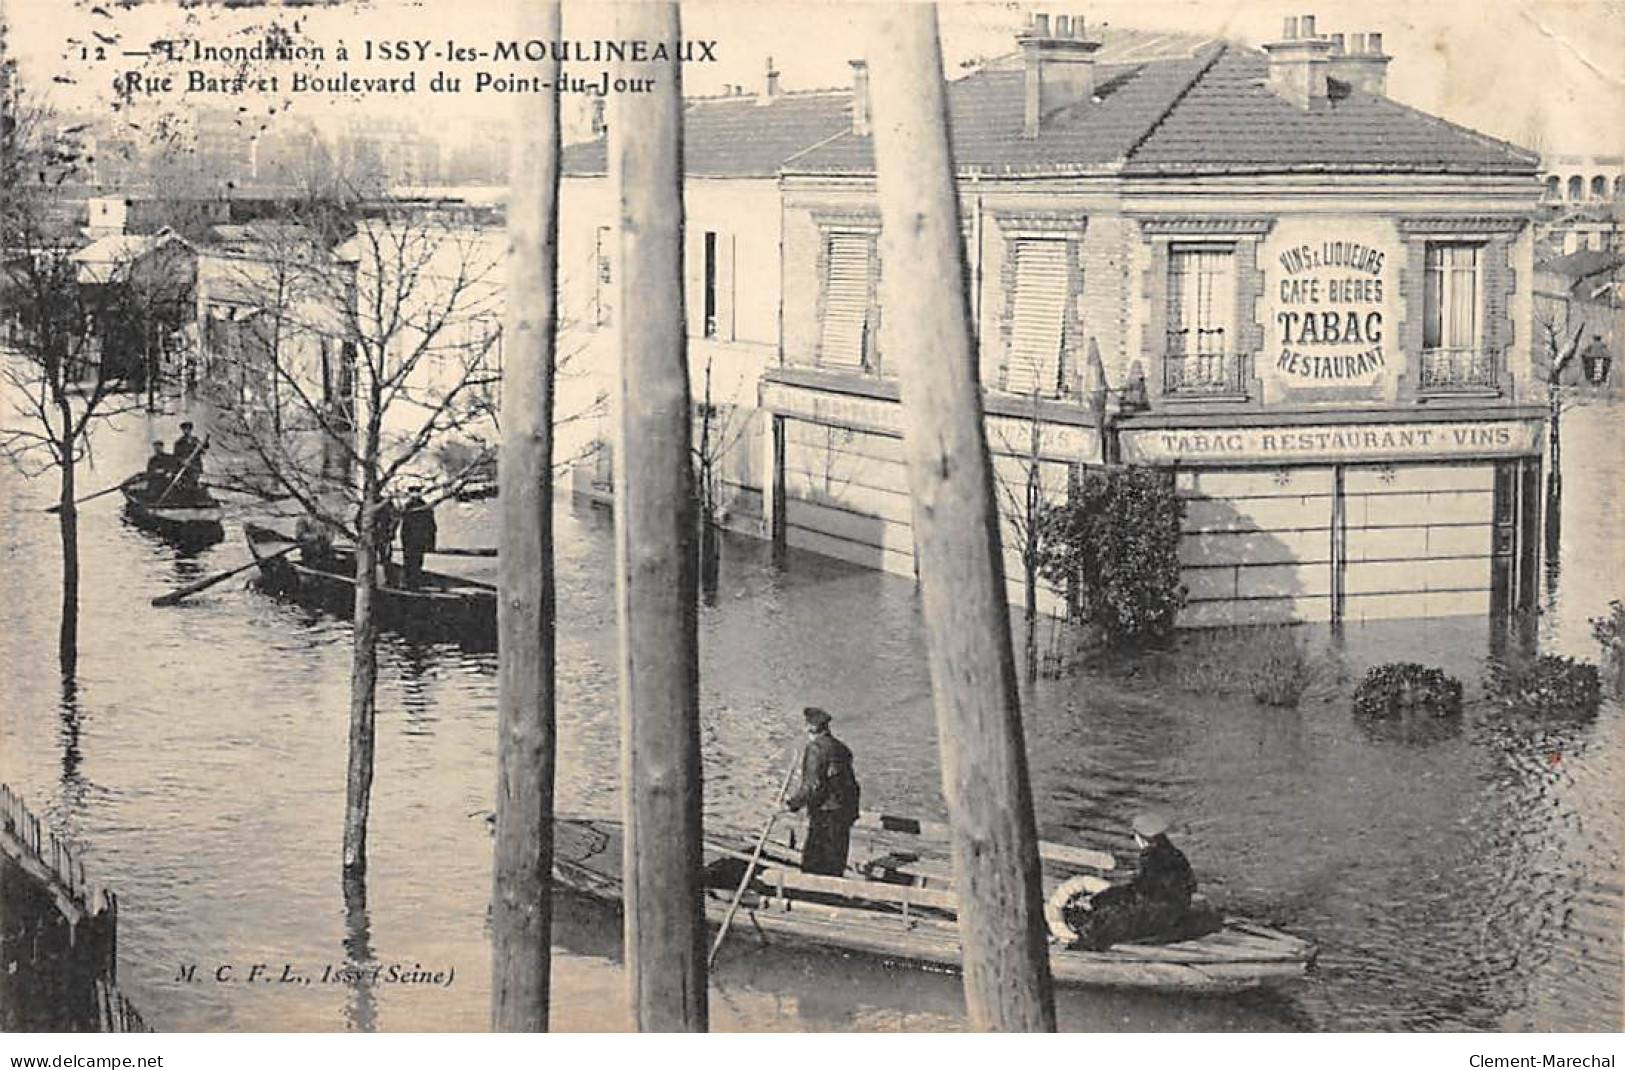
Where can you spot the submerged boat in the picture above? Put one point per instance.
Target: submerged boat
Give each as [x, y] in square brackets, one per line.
[188, 517]
[897, 902]
[444, 606]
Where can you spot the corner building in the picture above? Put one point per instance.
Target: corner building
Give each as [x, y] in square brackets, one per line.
[1311, 303]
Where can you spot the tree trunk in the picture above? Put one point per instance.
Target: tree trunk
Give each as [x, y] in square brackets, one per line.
[655, 554]
[973, 672]
[68, 526]
[521, 895]
[363, 677]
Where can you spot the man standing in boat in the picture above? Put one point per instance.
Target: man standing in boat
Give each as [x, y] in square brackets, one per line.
[829, 790]
[417, 534]
[189, 450]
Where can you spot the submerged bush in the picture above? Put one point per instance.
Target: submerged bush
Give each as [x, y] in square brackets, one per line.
[1115, 542]
[1549, 684]
[1610, 632]
[1271, 663]
[1400, 687]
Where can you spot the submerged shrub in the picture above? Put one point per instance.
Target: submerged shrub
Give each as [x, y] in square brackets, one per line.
[1400, 687]
[1549, 684]
[1115, 542]
[1271, 663]
[1610, 632]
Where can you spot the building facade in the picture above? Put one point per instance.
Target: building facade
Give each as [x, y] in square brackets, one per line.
[1311, 304]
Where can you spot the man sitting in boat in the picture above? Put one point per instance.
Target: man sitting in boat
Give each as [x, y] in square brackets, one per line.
[829, 790]
[315, 543]
[160, 468]
[1156, 904]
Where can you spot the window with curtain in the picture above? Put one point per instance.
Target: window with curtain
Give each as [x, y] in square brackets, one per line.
[1201, 302]
[1038, 317]
[843, 336]
[1450, 304]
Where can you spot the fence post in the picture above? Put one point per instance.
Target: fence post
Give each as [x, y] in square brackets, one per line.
[974, 687]
[655, 546]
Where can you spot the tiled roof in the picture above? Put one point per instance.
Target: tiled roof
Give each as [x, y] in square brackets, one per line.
[737, 137]
[985, 113]
[1231, 121]
[1204, 111]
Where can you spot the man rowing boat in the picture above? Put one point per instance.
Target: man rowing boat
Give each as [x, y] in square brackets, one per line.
[829, 790]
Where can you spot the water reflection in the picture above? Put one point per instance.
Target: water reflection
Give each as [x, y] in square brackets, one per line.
[1461, 876]
[360, 1008]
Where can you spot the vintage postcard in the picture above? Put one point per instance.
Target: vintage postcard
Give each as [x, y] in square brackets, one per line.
[1279, 513]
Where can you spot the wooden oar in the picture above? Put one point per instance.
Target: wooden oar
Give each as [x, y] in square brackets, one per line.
[263, 494]
[175, 596]
[755, 856]
[80, 501]
[468, 551]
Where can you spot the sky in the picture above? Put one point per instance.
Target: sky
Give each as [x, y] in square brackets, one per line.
[1546, 74]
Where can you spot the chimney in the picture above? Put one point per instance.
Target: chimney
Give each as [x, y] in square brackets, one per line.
[860, 98]
[1060, 67]
[1298, 63]
[770, 91]
[600, 126]
[1362, 64]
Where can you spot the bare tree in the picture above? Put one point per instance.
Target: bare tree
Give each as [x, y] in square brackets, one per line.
[408, 298]
[720, 430]
[58, 384]
[1021, 504]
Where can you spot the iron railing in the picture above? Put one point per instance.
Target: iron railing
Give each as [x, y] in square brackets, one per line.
[1203, 374]
[1458, 368]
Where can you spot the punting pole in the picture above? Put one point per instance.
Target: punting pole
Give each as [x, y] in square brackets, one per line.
[522, 868]
[655, 552]
[926, 331]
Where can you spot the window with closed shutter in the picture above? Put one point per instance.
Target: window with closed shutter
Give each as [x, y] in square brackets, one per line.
[1034, 362]
[846, 302]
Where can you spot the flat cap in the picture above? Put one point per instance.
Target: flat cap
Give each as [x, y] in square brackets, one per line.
[815, 716]
[1149, 823]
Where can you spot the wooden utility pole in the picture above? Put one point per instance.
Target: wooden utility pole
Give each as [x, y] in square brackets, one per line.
[522, 879]
[973, 674]
[655, 553]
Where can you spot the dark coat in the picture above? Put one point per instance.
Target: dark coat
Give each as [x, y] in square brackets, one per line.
[384, 522]
[1155, 905]
[417, 525]
[828, 785]
[189, 451]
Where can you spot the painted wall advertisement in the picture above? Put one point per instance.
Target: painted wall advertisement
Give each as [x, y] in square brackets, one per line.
[1330, 304]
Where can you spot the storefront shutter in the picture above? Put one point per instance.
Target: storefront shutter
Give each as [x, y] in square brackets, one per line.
[1040, 305]
[846, 302]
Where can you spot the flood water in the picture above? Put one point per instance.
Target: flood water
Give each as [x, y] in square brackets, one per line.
[1460, 881]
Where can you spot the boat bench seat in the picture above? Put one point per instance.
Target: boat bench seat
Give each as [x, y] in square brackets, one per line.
[875, 891]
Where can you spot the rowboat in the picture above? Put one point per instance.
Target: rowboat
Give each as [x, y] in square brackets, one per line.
[897, 901]
[187, 517]
[442, 607]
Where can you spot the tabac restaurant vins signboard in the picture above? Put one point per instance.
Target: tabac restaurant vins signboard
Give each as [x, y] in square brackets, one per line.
[1329, 304]
[1335, 443]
